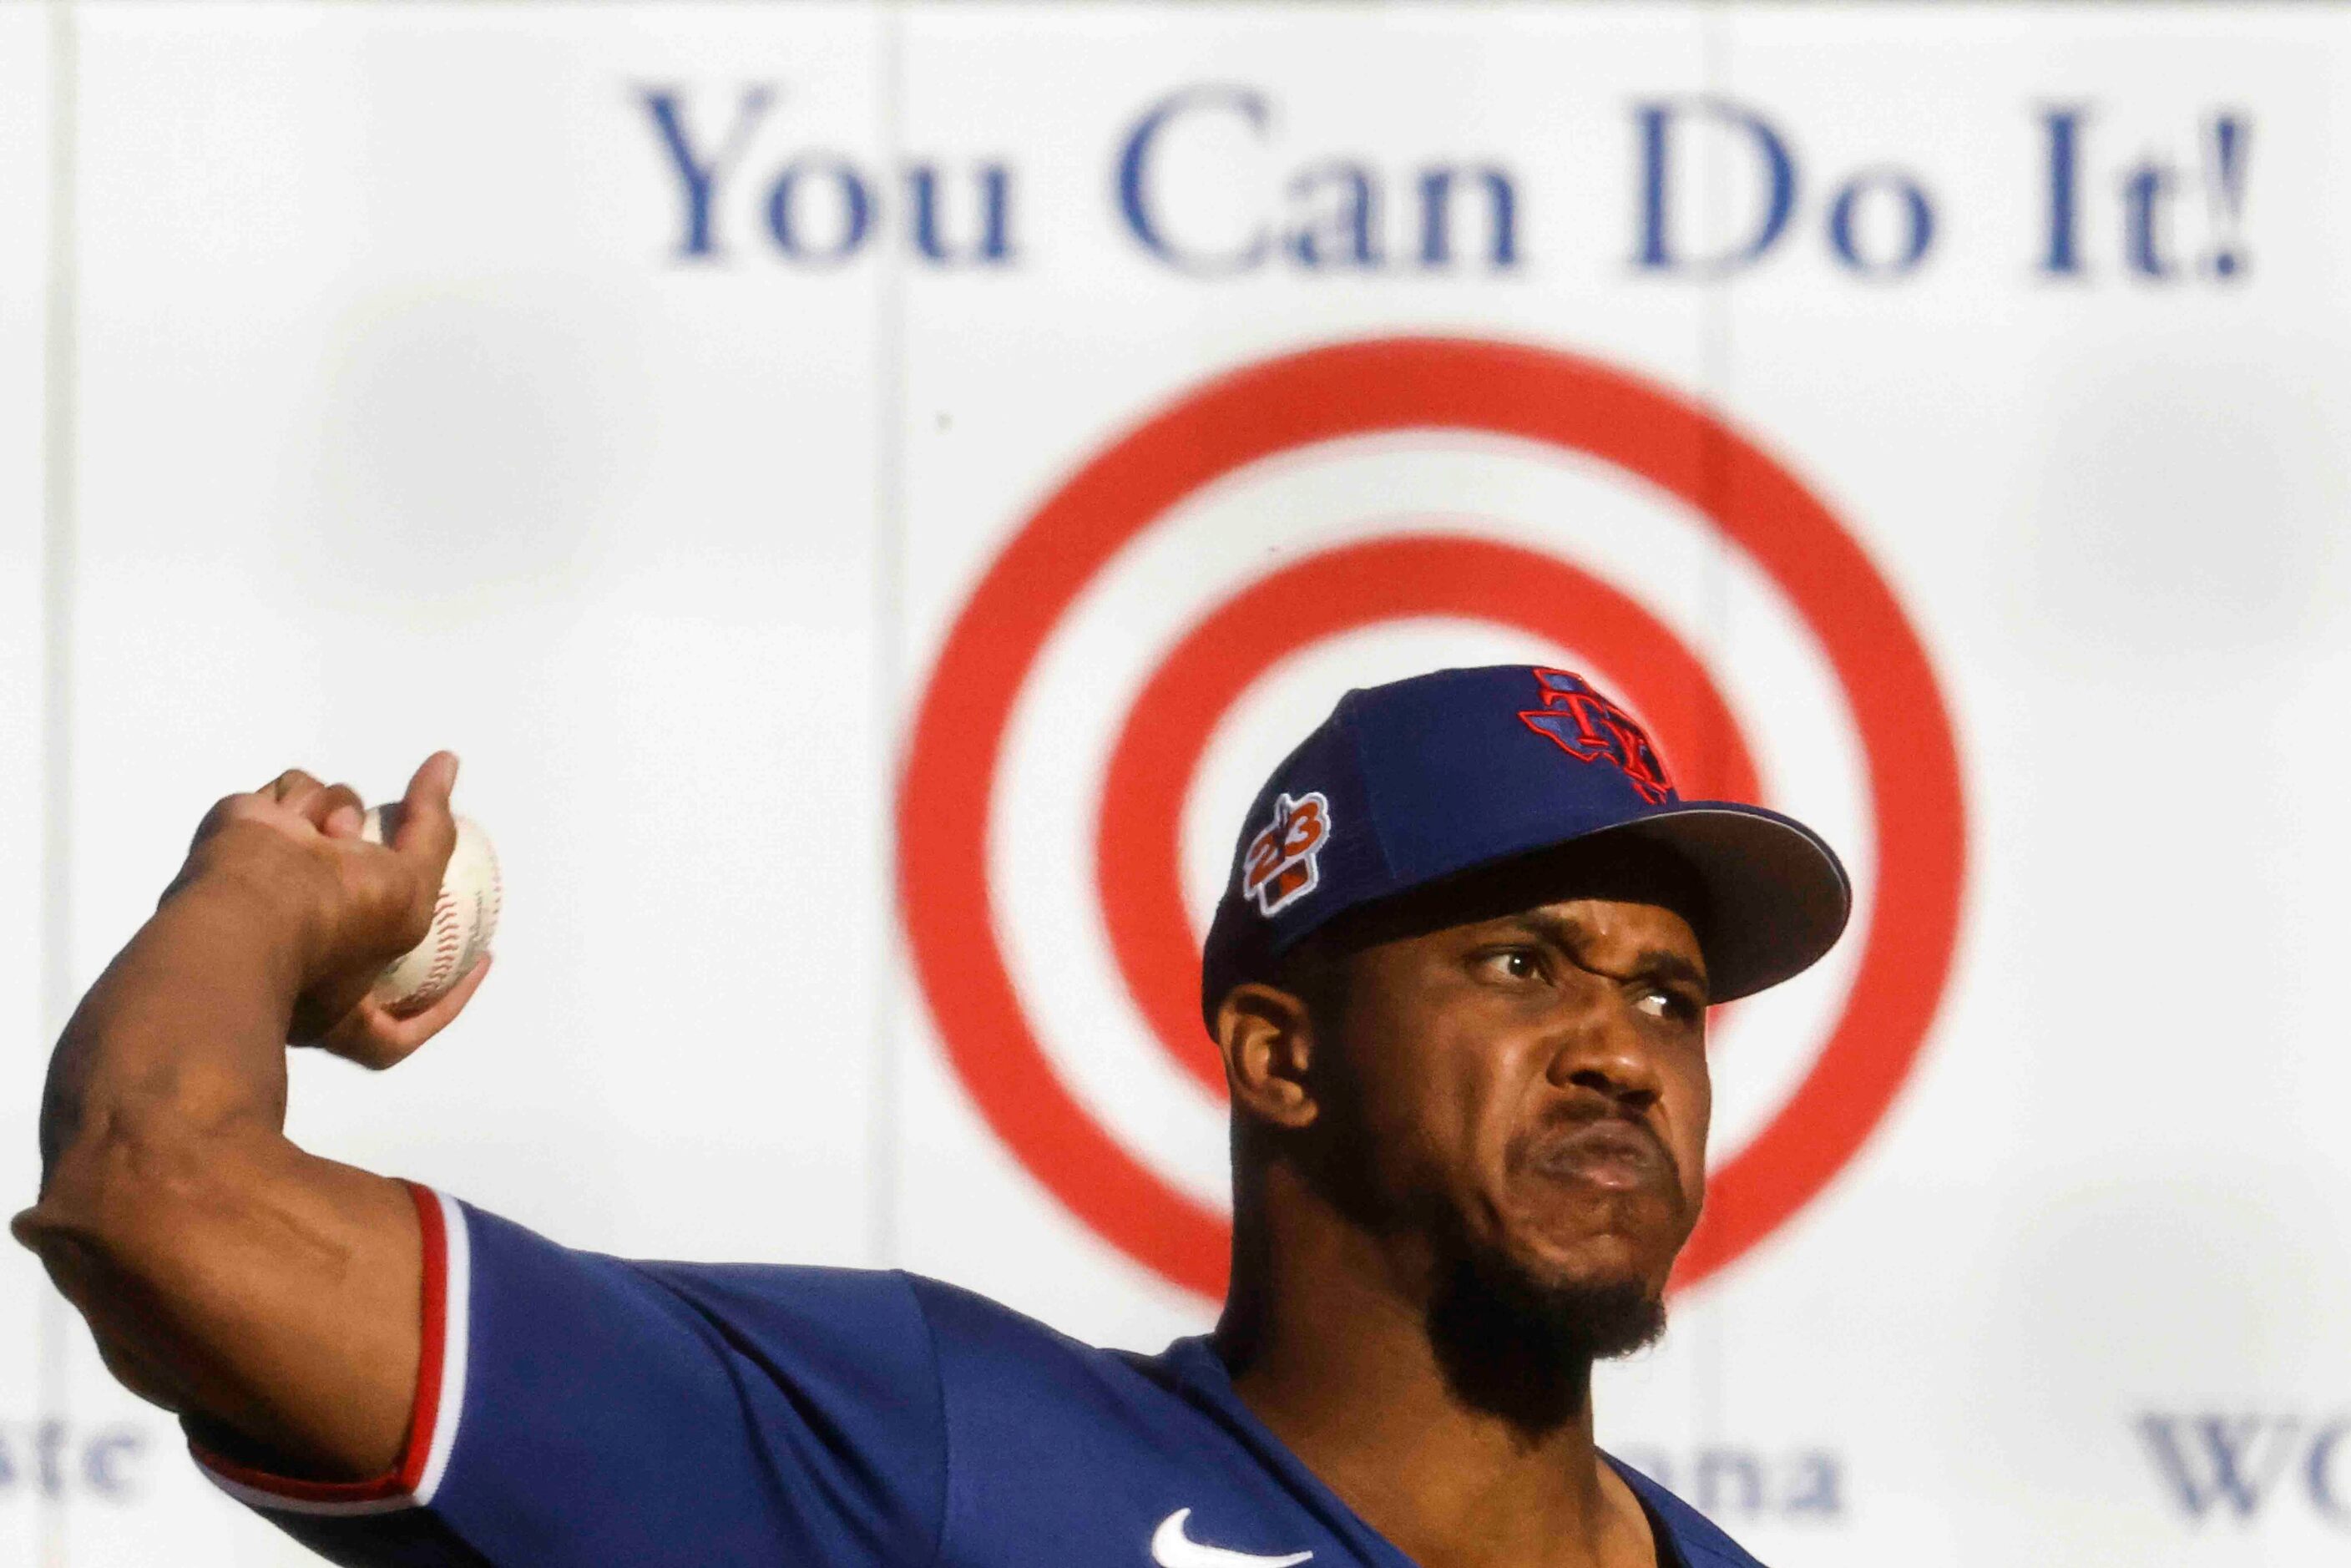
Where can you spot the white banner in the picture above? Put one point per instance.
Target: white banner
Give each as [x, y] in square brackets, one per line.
[799, 454]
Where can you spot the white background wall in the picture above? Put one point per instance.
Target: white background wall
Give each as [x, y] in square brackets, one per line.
[356, 399]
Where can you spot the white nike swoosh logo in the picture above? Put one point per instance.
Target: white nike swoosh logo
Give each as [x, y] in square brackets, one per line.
[1171, 1548]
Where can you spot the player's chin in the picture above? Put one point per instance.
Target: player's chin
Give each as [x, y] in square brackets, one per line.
[1619, 1249]
[1607, 1264]
[1634, 1233]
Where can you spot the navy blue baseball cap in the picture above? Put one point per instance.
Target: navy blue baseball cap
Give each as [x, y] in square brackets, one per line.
[1415, 783]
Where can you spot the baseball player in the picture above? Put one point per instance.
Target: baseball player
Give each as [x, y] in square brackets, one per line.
[1459, 979]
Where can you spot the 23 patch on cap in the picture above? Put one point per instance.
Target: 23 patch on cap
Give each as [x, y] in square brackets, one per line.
[1279, 867]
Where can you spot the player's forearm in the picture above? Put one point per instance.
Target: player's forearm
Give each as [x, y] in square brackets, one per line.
[163, 1117]
[184, 1037]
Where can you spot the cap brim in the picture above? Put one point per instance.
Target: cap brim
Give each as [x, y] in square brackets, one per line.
[1777, 897]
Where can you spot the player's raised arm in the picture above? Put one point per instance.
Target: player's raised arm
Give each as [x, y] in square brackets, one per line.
[270, 1295]
[391, 1376]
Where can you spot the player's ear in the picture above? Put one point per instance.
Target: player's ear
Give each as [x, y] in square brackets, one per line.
[1267, 1036]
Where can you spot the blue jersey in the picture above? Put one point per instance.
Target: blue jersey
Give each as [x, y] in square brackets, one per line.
[579, 1411]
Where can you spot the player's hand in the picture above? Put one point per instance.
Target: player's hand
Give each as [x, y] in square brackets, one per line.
[337, 908]
[374, 1036]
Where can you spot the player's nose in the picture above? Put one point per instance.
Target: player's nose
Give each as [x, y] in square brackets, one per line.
[1606, 1054]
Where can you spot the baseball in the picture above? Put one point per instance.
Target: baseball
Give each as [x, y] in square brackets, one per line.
[464, 919]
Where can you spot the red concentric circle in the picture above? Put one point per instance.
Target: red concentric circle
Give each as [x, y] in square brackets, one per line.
[1392, 384]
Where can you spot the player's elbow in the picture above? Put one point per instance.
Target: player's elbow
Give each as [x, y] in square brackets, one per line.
[112, 1229]
[121, 1213]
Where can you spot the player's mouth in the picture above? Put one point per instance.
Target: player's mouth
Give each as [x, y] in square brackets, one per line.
[1610, 1153]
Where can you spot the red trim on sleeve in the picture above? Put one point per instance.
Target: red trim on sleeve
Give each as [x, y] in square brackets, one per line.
[426, 1408]
[424, 1411]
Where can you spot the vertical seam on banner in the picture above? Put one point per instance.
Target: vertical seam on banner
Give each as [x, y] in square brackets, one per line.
[59, 427]
[889, 634]
[1714, 467]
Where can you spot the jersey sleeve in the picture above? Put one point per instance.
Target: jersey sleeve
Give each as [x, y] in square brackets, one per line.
[577, 1409]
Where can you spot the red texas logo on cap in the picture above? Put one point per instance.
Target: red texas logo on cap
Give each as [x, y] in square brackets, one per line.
[1277, 868]
[1590, 728]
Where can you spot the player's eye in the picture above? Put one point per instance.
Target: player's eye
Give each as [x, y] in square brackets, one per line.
[1662, 1002]
[1517, 965]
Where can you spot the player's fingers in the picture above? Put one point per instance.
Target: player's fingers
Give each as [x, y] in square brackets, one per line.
[376, 1037]
[364, 1035]
[316, 804]
[301, 797]
[289, 785]
[339, 812]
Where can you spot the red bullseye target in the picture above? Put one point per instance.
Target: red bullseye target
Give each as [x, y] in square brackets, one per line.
[1352, 389]
[1158, 751]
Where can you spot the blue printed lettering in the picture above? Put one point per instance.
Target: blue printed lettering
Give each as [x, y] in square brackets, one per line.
[698, 176]
[1138, 198]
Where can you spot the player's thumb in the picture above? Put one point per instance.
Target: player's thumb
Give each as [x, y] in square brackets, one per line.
[427, 830]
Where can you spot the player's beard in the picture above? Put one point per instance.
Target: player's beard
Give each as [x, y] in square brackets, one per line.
[1519, 1345]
